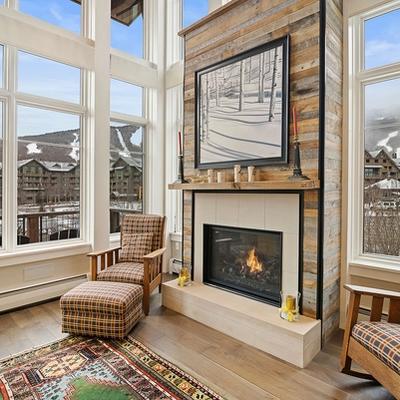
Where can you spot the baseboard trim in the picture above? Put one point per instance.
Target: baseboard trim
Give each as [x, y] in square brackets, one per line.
[22, 297]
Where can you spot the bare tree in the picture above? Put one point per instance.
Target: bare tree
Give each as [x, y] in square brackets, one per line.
[205, 107]
[273, 87]
[241, 87]
[217, 94]
[261, 78]
[381, 222]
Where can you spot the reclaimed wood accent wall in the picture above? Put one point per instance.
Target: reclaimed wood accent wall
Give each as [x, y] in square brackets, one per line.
[332, 164]
[242, 25]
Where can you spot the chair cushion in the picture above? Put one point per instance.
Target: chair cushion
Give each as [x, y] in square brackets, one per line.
[126, 272]
[382, 339]
[144, 223]
[135, 246]
[102, 297]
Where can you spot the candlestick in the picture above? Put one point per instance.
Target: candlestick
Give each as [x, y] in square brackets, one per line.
[297, 172]
[181, 178]
[180, 142]
[294, 123]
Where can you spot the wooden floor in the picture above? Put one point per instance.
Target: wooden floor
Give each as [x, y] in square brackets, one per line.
[233, 369]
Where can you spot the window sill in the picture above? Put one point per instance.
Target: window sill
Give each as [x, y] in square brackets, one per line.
[42, 253]
[175, 236]
[381, 270]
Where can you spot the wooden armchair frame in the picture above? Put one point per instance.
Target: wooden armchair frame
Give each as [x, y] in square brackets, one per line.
[354, 351]
[152, 267]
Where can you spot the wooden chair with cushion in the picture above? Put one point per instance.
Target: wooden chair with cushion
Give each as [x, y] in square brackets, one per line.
[375, 344]
[138, 260]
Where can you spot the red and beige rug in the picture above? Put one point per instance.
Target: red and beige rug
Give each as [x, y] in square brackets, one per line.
[79, 368]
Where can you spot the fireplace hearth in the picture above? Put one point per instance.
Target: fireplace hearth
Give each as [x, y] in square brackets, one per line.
[245, 261]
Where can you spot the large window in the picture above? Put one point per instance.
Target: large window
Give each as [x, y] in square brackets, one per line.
[1, 170]
[63, 13]
[126, 151]
[375, 125]
[1, 66]
[48, 175]
[127, 26]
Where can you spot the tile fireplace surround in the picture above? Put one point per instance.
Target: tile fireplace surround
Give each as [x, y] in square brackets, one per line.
[248, 320]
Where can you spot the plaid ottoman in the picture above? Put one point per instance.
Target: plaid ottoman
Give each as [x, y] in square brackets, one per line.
[105, 309]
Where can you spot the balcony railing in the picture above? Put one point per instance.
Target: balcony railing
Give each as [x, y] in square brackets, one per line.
[35, 227]
[46, 226]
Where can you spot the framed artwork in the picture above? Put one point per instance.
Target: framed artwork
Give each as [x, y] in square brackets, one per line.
[242, 108]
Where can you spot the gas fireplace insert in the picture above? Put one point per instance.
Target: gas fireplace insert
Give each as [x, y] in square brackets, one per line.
[245, 261]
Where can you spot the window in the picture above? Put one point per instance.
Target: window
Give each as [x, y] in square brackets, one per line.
[48, 175]
[382, 39]
[127, 26]
[1, 66]
[1, 170]
[193, 10]
[374, 128]
[43, 77]
[126, 171]
[381, 124]
[126, 98]
[63, 13]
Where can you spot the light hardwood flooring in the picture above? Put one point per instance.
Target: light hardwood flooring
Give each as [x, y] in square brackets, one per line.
[233, 369]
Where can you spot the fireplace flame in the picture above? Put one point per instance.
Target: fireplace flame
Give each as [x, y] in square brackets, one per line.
[253, 262]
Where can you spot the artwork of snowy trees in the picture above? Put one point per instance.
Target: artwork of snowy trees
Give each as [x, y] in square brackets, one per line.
[241, 109]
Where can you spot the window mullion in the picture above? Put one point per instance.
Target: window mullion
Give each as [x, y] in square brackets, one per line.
[10, 220]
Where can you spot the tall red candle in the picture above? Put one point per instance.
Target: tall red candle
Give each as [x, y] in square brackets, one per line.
[294, 122]
[180, 142]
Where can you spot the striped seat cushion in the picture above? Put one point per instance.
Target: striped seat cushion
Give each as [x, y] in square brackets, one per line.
[126, 272]
[381, 339]
[106, 298]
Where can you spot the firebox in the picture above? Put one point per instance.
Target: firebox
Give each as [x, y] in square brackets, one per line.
[246, 261]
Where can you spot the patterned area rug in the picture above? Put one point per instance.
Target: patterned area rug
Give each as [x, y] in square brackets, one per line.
[79, 368]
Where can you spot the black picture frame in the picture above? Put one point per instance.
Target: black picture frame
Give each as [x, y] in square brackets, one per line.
[283, 158]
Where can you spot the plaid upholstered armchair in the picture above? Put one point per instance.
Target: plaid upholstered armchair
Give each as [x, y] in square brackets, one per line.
[375, 344]
[138, 259]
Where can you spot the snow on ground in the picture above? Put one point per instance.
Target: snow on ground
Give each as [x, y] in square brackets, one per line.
[74, 154]
[235, 135]
[384, 142]
[32, 148]
[125, 152]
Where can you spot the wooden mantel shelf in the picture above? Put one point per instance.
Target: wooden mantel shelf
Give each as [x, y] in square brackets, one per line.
[260, 185]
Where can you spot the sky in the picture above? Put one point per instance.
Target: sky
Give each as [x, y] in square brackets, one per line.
[194, 10]
[382, 39]
[382, 47]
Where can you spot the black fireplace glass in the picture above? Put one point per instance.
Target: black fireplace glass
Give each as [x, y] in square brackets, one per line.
[246, 261]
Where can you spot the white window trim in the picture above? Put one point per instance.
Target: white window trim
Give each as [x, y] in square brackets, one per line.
[358, 78]
[33, 35]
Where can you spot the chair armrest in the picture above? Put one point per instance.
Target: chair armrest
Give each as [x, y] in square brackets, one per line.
[102, 252]
[368, 291]
[155, 254]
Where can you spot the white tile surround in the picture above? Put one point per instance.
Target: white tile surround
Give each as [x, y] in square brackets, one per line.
[273, 212]
[251, 321]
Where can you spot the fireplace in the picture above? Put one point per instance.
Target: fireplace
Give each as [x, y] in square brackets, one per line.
[246, 261]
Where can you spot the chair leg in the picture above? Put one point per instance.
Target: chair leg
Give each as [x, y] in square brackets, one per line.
[146, 299]
[160, 288]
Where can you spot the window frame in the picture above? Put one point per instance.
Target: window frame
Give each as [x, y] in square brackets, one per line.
[359, 78]
[97, 63]
[13, 99]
